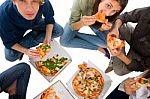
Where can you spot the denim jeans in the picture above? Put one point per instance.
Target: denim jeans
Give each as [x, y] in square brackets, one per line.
[75, 39]
[32, 39]
[21, 74]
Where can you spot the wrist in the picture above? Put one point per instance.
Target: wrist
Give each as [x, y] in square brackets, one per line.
[101, 29]
[82, 23]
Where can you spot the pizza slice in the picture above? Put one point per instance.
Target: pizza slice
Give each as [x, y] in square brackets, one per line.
[142, 81]
[100, 17]
[114, 43]
[43, 50]
[50, 93]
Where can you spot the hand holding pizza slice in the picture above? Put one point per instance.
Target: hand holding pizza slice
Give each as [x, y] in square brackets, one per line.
[114, 43]
[43, 50]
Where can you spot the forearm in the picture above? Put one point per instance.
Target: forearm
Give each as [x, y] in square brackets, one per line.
[49, 28]
[132, 64]
[77, 25]
[19, 48]
[117, 24]
[124, 58]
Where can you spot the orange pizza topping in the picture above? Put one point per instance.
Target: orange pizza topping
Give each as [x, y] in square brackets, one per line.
[115, 43]
[100, 17]
[43, 50]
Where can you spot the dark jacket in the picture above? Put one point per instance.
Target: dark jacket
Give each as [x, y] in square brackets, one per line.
[140, 39]
[13, 26]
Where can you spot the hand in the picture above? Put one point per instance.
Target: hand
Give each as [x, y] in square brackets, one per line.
[47, 41]
[88, 20]
[130, 86]
[107, 26]
[116, 52]
[32, 53]
[114, 33]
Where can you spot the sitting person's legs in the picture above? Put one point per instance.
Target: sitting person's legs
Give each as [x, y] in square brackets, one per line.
[14, 79]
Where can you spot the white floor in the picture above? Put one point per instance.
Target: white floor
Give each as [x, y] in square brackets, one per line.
[37, 83]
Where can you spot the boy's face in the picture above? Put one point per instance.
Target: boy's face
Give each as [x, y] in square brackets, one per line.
[27, 8]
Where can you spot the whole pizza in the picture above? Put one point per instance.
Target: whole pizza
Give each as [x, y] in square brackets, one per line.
[50, 93]
[88, 83]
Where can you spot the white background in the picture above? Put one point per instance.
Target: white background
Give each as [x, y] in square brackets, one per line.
[37, 83]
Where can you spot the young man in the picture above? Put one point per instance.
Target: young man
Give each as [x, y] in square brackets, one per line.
[14, 81]
[138, 57]
[18, 16]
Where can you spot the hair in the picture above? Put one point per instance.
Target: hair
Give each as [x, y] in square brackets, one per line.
[112, 18]
[40, 1]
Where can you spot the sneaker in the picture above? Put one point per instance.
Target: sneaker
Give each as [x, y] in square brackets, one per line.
[109, 69]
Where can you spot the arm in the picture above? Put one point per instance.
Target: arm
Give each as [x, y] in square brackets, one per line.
[132, 16]
[48, 13]
[48, 35]
[79, 16]
[29, 52]
[84, 21]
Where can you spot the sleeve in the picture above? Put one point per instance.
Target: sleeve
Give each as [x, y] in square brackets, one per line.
[48, 12]
[132, 16]
[136, 65]
[75, 12]
[8, 37]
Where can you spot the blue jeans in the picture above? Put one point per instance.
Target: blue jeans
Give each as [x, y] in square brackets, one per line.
[21, 74]
[75, 39]
[32, 39]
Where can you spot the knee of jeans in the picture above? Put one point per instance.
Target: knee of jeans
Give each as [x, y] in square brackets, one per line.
[63, 42]
[26, 67]
[11, 59]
